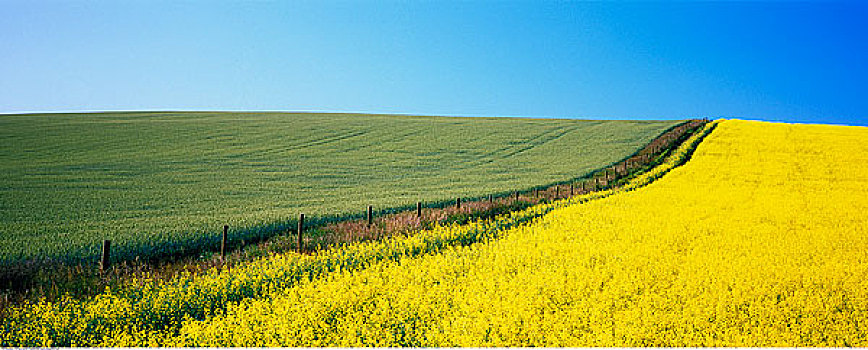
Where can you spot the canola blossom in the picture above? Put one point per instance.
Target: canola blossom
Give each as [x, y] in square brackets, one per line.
[759, 240]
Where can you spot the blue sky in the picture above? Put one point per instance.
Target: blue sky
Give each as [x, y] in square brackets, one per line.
[789, 61]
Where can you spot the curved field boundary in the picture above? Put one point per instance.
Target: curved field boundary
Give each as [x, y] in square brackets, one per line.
[146, 311]
[19, 274]
[740, 247]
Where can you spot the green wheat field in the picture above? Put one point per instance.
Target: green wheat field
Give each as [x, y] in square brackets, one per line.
[165, 182]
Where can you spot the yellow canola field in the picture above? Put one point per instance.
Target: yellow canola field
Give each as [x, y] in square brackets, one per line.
[759, 240]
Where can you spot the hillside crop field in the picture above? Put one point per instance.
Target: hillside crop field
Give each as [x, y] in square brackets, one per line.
[758, 240]
[160, 182]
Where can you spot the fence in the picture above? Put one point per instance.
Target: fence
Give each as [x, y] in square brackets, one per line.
[600, 179]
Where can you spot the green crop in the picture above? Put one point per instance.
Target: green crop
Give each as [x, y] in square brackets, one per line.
[159, 183]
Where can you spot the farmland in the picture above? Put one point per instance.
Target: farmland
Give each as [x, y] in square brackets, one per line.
[758, 240]
[150, 311]
[157, 183]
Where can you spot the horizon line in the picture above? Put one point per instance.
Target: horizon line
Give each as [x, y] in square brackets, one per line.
[363, 112]
[446, 115]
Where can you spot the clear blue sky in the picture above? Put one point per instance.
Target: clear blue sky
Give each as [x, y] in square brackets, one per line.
[804, 61]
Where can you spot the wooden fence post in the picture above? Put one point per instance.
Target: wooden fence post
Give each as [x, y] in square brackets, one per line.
[223, 242]
[490, 198]
[370, 215]
[105, 257]
[419, 209]
[300, 230]
[557, 191]
[516, 195]
[458, 202]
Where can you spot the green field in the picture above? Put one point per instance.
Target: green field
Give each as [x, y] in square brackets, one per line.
[158, 182]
